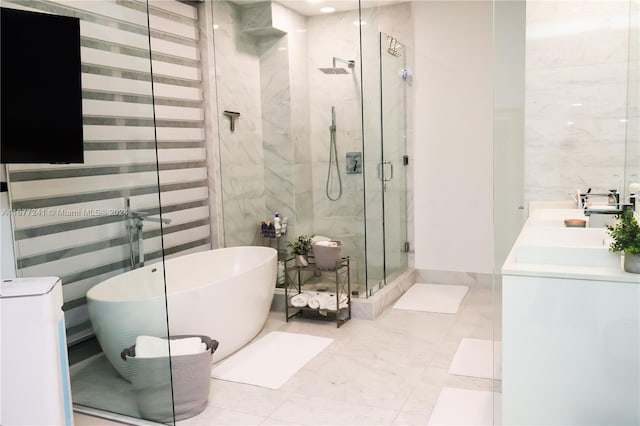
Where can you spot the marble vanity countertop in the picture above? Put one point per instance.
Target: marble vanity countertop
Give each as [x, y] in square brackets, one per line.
[545, 230]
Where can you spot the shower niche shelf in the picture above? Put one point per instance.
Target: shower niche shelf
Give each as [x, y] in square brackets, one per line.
[310, 278]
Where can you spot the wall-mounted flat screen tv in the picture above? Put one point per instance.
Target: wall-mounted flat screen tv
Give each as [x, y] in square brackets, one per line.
[41, 88]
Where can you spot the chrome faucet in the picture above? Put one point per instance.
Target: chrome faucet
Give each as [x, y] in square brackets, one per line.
[613, 198]
[136, 235]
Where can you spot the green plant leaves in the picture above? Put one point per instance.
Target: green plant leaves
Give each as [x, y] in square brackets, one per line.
[625, 234]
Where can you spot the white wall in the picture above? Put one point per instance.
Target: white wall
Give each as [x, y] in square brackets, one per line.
[453, 165]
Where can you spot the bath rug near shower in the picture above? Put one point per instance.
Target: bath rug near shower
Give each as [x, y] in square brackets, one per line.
[439, 298]
[466, 407]
[477, 358]
[271, 360]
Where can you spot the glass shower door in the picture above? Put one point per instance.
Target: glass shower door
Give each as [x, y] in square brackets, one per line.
[392, 169]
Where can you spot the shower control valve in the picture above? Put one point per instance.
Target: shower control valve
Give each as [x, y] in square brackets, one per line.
[354, 162]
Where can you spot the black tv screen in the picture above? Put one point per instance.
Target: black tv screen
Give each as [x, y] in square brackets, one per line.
[41, 88]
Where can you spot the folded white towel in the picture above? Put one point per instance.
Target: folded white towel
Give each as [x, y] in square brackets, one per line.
[301, 300]
[326, 244]
[154, 347]
[319, 238]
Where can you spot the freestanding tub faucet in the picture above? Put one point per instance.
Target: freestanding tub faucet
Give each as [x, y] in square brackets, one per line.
[136, 235]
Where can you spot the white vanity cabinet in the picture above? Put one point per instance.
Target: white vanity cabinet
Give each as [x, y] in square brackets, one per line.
[571, 335]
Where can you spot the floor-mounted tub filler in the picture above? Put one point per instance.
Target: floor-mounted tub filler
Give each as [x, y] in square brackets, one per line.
[225, 294]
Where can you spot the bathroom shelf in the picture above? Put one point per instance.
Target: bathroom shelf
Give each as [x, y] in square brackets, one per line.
[294, 283]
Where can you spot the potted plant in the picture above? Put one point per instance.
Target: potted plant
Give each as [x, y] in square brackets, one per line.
[626, 239]
[301, 247]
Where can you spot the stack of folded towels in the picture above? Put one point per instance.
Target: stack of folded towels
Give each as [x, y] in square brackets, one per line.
[318, 300]
[154, 347]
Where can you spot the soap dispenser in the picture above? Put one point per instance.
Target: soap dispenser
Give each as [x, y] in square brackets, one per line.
[277, 225]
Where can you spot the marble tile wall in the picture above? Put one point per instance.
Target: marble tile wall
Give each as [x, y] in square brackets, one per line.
[261, 52]
[576, 95]
[241, 151]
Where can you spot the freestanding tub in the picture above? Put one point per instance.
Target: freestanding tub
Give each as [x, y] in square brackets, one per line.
[224, 294]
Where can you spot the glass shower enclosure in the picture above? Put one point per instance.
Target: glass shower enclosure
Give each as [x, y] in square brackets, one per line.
[320, 138]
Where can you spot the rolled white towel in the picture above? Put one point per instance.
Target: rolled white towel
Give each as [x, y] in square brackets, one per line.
[301, 300]
[318, 300]
[331, 303]
[154, 347]
[325, 299]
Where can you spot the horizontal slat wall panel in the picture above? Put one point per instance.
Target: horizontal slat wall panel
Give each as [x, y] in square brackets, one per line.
[107, 9]
[170, 48]
[113, 35]
[174, 7]
[137, 135]
[114, 85]
[92, 107]
[127, 133]
[111, 60]
[168, 91]
[174, 28]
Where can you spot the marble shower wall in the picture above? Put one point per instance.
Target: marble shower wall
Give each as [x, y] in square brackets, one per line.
[328, 36]
[241, 152]
[577, 54]
[261, 73]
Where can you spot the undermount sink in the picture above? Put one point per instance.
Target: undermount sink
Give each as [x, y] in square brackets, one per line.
[566, 246]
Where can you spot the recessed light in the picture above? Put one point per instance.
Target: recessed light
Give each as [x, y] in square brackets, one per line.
[623, 120]
[570, 123]
[356, 23]
[216, 26]
[328, 9]
[314, 1]
[282, 48]
[576, 105]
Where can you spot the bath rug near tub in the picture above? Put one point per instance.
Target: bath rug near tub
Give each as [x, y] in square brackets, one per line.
[466, 407]
[478, 358]
[439, 298]
[271, 360]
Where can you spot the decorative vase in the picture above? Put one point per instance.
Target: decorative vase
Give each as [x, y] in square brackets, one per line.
[301, 260]
[632, 263]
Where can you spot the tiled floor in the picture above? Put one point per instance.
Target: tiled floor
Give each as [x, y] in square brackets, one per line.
[384, 372]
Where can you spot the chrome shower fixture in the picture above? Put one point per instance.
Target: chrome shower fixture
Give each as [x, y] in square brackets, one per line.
[335, 70]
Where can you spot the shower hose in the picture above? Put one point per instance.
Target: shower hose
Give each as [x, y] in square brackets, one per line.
[333, 158]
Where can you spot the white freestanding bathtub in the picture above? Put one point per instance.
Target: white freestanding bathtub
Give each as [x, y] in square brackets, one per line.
[224, 294]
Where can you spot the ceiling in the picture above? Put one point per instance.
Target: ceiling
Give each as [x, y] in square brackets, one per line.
[312, 7]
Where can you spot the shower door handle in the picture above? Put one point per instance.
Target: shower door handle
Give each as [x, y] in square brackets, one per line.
[382, 174]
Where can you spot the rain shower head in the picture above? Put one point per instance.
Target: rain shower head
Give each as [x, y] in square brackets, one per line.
[335, 70]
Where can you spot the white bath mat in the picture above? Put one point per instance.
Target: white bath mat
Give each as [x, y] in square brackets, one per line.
[478, 358]
[466, 407]
[271, 360]
[440, 298]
